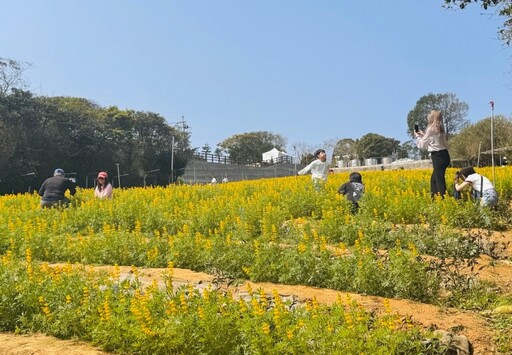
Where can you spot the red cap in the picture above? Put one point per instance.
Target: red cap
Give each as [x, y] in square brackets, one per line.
[102, 174]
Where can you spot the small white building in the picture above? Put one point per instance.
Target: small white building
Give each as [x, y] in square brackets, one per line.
[273, 156]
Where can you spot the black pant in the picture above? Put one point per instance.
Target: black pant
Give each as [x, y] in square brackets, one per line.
[440, 161]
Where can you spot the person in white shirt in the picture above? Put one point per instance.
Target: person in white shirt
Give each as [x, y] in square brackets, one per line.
[481, 186]
[434, 140]
[214, 180]
[319, 168]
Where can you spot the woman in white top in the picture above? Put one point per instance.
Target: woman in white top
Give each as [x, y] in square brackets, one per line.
[434, 140]
[481, 186]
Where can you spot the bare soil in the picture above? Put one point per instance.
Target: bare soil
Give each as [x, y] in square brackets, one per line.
[473, 325]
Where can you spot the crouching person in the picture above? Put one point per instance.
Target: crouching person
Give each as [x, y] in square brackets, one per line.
[481, 187]
[353, 190]
[53, 189]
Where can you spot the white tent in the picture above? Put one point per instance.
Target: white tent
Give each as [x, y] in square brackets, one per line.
[273, 155]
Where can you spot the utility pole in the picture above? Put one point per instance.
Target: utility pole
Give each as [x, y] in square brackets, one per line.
[172, 160]
[492, 142]
[182, 127]
[118, 176]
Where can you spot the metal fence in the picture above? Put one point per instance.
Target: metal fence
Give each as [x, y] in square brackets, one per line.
[220, 159]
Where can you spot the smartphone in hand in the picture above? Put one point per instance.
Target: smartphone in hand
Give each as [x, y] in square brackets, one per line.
[416, 128]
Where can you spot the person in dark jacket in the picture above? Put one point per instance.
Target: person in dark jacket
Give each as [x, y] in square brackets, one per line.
[53, 189]
[353, 190]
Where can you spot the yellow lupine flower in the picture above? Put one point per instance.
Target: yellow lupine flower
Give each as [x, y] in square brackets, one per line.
[323, 243]
[183, 303]
[412, 248]
[387, 306]
[7, 258]
[172, 309]
[200, 312]
[265, 328]
[360, 234]
[85, 296]
[242, 306]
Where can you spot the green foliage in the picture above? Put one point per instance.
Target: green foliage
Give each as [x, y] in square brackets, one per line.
[249, 147]
[373, 145]
[345, 149]
[42, 133]
[476, 138]
[454, 112]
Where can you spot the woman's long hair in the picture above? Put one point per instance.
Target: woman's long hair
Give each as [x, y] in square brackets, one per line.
[435, 122]
[101, 187]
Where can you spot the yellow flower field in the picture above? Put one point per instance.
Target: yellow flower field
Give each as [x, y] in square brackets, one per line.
[274, 230]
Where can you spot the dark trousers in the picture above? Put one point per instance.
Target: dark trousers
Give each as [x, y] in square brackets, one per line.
[440, 161]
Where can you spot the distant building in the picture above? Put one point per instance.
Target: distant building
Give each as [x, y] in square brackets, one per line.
[275, 156]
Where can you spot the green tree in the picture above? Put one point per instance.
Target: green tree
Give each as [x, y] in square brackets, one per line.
[454, 112]
[249, 147]
[476, 138]
[409, 149]
[21, 142]
[346, 149]
[503, 9]
[373, 145]
[206, 150]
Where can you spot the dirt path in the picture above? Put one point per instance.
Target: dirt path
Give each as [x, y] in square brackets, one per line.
[470, 324]
[37, 344]
[473, 325]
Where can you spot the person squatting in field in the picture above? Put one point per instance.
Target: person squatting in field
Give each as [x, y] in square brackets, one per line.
[481, 187]
[53, 189]
[353, 190]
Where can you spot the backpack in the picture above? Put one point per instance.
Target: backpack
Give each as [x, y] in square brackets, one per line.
[358, 191]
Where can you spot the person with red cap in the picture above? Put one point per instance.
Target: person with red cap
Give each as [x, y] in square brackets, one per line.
[103, 189]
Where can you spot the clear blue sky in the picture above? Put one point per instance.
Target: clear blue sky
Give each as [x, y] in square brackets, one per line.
[309, 70]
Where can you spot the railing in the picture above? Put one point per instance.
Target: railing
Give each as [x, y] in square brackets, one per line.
[219, 159]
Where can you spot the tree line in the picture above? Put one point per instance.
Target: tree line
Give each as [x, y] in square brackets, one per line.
[39, 134]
